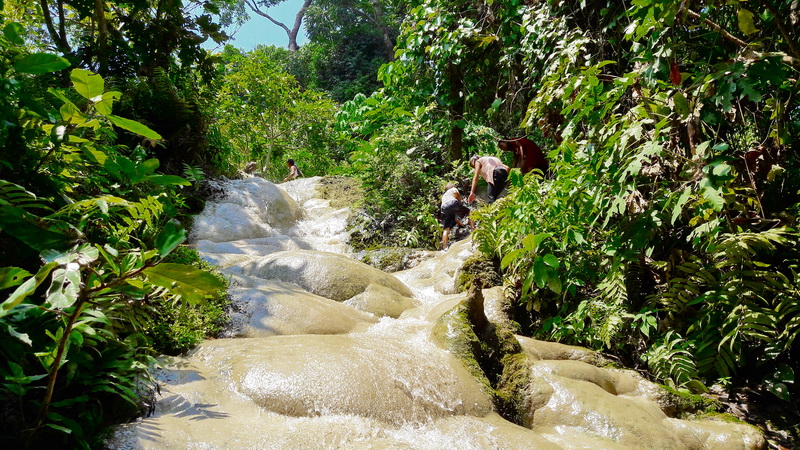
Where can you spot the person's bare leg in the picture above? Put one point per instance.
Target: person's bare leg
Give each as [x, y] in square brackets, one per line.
[445, 238]
[471, 224]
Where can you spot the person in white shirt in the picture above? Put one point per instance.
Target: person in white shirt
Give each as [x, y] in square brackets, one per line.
[452, 209]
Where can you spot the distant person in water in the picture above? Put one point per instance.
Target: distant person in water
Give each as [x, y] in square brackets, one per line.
[452, 209]
[294, 172]
[493, 171]
[527, 155]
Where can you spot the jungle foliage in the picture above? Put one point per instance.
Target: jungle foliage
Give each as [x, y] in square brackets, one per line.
[267, 117]
[667, 235]
[86, 227]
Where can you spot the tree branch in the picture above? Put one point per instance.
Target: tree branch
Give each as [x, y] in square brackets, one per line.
[776, 15]
[717, 28]
[254, 7]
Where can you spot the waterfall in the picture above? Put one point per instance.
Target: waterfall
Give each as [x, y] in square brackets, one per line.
[326, 352]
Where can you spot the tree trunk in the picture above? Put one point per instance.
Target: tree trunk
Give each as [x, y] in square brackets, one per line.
[456, 112]
[388, 43]
[298, 22]
[59, 37]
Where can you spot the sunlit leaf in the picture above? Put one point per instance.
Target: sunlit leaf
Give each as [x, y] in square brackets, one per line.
[185, 281]
[12, 276]
[133, 126]
[38, 63]
[89, 85]
[746, 22]
[14, 31]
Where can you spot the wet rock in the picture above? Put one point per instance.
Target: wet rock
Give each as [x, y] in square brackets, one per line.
[381, 301]
[543, 350]
[310, 376]
[329, 275]
[277, 308]
[251, 208]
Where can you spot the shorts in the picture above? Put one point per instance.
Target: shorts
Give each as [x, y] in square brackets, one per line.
[500, 176]
[451, 210]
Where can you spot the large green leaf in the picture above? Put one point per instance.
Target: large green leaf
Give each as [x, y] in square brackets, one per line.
[170, 237]
[12, 276]
[106, 102]
[41, 63]
[133, 126]
[38, 233]
[168, 180]
[185, 281]
[27, 288]
[13, 31]
[89, 85]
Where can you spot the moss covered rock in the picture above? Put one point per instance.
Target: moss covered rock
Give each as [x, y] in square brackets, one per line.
[479, 271]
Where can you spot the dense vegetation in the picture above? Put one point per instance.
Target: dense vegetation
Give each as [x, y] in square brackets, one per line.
[665, 236]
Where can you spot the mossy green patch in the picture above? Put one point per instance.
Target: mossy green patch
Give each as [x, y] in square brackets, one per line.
[343, 192]
[490, 352]
[453, 331]
[681, 403]
[478, 270]
[389, 259]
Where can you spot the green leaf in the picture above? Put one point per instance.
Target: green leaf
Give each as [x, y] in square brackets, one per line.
[13, 31]
[511, 257]
[103, 107]
[696, 386]
[21, 336]
[553, 281]
[551, 260]
[89, 85]
[133, 126]
[27, 288]
[185, 281]
[714, 197]
[681, 105]
[539, 272]
[679, 206]
[39, 63]
[59, 428]
[38, 233]
[168, 180]
[170, 237]
[746, 22]
[12, 276]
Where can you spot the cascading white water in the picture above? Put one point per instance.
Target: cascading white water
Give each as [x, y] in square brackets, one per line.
[326, 352]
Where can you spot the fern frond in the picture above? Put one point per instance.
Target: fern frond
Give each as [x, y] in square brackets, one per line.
[668, 359]
[15, 195]
[741, 248]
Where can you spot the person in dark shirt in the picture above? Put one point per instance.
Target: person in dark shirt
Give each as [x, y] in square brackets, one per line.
[527, 155]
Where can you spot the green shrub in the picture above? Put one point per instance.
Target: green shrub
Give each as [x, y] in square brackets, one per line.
[174, 326]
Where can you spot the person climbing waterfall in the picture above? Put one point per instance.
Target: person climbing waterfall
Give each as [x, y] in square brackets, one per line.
[294, 171]
[527, 155]
[493, 171]
[453, 208]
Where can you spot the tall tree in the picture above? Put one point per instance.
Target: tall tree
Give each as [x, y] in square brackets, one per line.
[291, 33]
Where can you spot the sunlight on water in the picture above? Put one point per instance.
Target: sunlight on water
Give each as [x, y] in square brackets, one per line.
[314, 360]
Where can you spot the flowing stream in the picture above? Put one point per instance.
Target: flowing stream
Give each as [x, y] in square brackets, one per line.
[327, 352]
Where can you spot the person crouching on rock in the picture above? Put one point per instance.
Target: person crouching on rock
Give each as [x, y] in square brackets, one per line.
[452, 209]
[294, 171]
[493, 171]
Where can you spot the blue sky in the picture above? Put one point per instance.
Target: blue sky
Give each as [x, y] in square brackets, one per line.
[259, 30]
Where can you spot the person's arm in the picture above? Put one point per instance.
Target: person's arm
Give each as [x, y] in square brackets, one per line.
[457, 196]
[471, 197]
